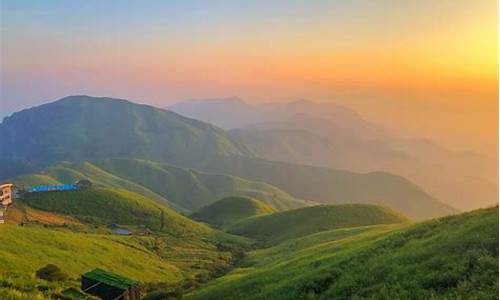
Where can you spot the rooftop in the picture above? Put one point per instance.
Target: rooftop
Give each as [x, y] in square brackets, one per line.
[110, 278]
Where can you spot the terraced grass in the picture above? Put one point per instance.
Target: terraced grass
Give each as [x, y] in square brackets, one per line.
[281, 226]
[454, 257]
[230, 210]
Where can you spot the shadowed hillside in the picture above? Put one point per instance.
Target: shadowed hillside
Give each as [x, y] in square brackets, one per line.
[335, 186]
[82, 128]
[334, 136]
[182, 189]
[229, 210]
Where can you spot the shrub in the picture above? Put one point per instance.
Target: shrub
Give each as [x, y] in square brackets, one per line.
[51, 273]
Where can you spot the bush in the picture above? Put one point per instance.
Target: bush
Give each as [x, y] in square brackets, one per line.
[51, 273]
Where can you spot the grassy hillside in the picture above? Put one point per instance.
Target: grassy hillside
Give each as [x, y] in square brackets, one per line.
[83, 128]
[227, 211]
[164, 259]
[281, 226]
[66, 172]
[77, 252]
[192, 189]
[450, 258]
[182, 189]
[107, 206]
[181, 253]
[334, 186]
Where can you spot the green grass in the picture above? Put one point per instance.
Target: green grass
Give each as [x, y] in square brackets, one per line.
[23, 250]
[65, 172]
[227, 211]
[182, 189]
[182, 251]
[454, 257]
[281, 226]
[193, 189]
[106, 206]
[158, 258]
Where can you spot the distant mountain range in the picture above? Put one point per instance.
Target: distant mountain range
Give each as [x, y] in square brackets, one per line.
[181, 151]
[330, 135]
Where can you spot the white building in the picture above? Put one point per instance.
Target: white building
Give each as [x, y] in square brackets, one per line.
[6, 199]
[6, 194]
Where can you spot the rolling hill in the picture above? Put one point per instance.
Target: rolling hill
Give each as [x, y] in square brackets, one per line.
[452, 176]
[454, 257]
[182, 189]
[75, 237]
[158, 259]
[192, 189]
[66, 172]
[281, 226]
[107, 206]
[331, 186]
[227, 211]
[334, 136]
[83, 128]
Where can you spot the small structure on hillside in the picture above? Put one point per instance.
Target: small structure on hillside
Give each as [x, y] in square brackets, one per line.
[84, 184]
[143, 230]
[6, 194]
[107, 285]
[50, 188]
[122, 231]
[6, 199]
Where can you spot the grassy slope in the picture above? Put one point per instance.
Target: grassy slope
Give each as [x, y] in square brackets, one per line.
[450, 258]
[193, 189]
[25, 249]
[182, 189]
[281, 226]
[227, 211]
[183, 249]
[65, 172]
[334, 186]
[159, 258]
[106, 206]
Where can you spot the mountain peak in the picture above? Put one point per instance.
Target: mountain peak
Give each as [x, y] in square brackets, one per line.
[87, 98]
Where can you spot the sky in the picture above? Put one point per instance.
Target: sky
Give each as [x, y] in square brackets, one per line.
[427, 68]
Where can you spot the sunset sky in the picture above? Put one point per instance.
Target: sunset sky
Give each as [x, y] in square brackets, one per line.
[424, 67]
